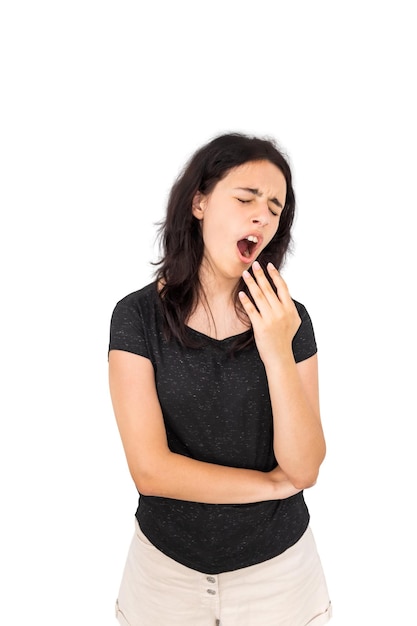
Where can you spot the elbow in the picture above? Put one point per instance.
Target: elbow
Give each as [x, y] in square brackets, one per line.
[150, 477]
[145, 486]
[306, 481]
[146, 481]
[148, 484]
[305, 475]
[302, 475]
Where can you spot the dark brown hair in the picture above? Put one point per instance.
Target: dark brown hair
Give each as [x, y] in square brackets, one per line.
[180, 233]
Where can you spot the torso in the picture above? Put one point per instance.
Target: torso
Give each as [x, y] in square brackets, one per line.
[216, 409]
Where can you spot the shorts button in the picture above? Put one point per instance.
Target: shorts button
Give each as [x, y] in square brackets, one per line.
[211, 579]
[211, 592]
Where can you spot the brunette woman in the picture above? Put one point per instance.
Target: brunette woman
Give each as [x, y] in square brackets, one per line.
[213, 379]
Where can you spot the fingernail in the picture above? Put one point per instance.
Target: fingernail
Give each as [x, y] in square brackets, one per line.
[256, 265]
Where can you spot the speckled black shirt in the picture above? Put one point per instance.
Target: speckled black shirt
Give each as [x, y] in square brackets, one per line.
[217, 409]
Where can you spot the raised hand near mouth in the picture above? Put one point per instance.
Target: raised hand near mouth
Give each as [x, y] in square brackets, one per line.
[298, 440]
[275, 318]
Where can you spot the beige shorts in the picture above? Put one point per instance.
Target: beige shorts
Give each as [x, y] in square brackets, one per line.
[288, 590]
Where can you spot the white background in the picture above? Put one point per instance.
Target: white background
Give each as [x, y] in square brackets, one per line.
[101, 104]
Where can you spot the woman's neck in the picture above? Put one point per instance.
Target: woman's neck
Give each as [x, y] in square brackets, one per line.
[215, 313]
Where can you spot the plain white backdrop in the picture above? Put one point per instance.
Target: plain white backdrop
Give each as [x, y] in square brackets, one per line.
[101, 104]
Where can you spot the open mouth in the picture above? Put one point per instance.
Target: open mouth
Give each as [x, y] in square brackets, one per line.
[247, 246]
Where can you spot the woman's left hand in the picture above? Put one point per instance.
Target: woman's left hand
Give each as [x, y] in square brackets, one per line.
[275, 318]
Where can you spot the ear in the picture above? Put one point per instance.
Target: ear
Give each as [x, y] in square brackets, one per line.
[198, 205]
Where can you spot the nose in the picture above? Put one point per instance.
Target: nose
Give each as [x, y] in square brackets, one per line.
[261, 216]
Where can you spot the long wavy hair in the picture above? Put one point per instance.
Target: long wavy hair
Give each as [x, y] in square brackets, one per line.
[180, 232]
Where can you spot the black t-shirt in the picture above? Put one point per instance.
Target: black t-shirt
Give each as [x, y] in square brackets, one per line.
[216, 408]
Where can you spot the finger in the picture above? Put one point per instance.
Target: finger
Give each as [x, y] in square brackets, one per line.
[264, 283]
[249, 307]
[282, 288]
[255, 290]
[262, 291]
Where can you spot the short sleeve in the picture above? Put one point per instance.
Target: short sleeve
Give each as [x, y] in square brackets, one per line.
[127, 328]
[304, 342]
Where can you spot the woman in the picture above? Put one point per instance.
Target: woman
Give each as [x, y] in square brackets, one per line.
[213, 379]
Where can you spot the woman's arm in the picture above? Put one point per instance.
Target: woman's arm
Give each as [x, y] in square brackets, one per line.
[299, 443]
[156, 471]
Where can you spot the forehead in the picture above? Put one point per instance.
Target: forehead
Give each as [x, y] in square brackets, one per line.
[261, 175]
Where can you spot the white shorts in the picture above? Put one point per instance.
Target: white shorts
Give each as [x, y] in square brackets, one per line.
[287, 590]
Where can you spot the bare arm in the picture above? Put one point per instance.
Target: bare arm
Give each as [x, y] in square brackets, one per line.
[298, 436]
[299, 443]
[157, 471]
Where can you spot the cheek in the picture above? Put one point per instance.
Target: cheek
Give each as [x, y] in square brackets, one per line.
[212, 235]
[272, 233]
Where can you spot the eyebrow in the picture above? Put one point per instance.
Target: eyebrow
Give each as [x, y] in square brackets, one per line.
[256, 192]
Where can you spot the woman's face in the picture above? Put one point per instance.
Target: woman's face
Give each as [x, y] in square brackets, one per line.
[240, 216]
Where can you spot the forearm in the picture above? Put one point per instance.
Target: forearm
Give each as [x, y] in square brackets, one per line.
[175, 476]
[299, 443]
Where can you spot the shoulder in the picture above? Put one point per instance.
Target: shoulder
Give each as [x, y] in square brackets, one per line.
[137, 303]
[302, 311]
[304, 342]
[142, 296]
[134, 320]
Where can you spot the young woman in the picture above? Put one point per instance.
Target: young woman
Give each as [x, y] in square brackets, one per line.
[213, 379]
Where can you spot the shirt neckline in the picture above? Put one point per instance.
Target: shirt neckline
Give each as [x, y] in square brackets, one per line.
[213, 339]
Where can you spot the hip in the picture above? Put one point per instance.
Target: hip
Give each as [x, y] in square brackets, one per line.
[287, 590]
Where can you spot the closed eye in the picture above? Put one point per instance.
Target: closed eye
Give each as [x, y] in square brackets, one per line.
[274, 213]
